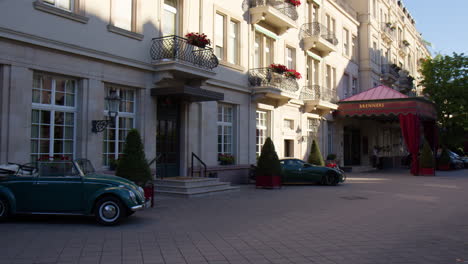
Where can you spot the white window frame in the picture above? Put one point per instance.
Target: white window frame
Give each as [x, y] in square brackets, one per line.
[227, 36]
[311, 132]
[173, 10]
[224, 124]
[57, 5]
[133, 13]
[261, 125]
[346, 42]
[121, 114]
[53, 108]
[262, 50]
[288, 124]
[290, 60]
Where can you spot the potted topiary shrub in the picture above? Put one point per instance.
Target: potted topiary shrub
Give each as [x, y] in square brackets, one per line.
[133, 165]
[331, 161]
[444, 160]
[427, 161]
[268, 171]
[315, 157]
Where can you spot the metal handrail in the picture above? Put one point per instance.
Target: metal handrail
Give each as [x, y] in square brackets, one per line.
[317, 29]
[388, 69]
[201, 162]
[266, 77]
[285, 8]
[178, 48]
[310, 92]
[388, 30]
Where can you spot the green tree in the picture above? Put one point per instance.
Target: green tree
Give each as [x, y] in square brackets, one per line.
[427, 157]
[268, 163]
[315, 157]
[133, 165]
[445, 82]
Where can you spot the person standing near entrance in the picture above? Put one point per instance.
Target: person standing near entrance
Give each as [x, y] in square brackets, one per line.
[375, 157]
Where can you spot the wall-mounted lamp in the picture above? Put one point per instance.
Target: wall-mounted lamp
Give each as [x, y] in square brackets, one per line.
[113, 102]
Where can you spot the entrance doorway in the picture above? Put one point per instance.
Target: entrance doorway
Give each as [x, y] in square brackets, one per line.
[288, 148]
[167, 138]
[352, 146]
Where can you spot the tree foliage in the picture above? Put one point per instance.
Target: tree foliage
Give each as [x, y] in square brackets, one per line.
[315, 156]
[268, 163]
[427, 157]
[133, 165]
[445, 79]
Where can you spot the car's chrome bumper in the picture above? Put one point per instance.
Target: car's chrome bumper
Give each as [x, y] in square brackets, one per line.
[140, 207]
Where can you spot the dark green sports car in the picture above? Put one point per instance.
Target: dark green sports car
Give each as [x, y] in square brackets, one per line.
[296, 171]
[67, 187]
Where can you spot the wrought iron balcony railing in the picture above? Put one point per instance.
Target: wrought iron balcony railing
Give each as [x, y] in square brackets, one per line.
[328, 94]
[265, 77]
[177, 48]
[389, 69]
[285, 8]
[310, 92]
[317, 29]
[387, 28]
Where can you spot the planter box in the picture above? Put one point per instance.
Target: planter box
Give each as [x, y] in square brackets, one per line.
[444, 167]
[149, 194]
[268, 182]
[426, 171]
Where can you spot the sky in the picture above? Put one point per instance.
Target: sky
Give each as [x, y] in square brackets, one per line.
[444, 23]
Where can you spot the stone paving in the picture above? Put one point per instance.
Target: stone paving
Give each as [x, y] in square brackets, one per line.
[380, 217]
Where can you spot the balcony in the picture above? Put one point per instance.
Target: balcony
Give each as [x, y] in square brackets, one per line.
[174, 55]
[272, 88]
[389, 74]
[388, 32]
[317, 36]
[318, 99]
[403, 49]
[278, 14]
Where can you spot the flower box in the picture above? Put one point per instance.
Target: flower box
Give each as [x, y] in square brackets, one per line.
[295, 3]
[426, 171]
[197, 39]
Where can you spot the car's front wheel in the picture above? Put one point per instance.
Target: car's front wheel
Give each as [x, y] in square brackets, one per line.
[109, 211]
[4, 209]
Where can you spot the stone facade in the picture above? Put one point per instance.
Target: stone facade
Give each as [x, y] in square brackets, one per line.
[81, 49]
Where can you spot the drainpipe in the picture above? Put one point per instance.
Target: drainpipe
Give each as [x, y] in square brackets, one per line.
[200, 16]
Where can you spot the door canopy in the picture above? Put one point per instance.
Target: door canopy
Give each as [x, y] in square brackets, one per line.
[383, 101]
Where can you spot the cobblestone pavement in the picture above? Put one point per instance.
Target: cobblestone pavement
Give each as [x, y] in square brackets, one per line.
[388, 217]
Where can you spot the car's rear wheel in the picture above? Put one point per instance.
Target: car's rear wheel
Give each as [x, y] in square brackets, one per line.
[331, 179]
[109, 211]
[4, 209]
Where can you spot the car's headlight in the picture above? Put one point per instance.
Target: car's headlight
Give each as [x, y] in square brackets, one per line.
[132, 196]
[141, 190]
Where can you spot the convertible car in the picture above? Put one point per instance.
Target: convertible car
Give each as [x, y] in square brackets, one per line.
[67, 187]
[296, 171]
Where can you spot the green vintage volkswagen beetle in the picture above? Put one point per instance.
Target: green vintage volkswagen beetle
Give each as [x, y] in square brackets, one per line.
[296, 171]
[67, 187]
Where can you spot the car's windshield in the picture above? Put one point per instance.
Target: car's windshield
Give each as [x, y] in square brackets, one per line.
[85, 166]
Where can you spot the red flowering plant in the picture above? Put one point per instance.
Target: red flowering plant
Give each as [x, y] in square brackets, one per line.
[294, 2]
[197, 39]
[278, 68]
[293, 74]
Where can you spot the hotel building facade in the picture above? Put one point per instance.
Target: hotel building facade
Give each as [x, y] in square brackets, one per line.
[60, 60]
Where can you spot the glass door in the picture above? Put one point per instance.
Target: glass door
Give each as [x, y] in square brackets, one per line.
[170, 18]
[167, 138]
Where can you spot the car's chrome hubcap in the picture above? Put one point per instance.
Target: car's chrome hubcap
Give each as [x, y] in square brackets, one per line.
[109, 211]
[2, 208]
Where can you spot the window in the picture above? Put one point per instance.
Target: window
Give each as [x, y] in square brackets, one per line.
[263, 51]
[331, 24]
[354, 48]
[312, 128]
[290, 58]
[354, 86]
[289, 124]
[123, 14]
[313, 71]
[53, 116]
[262, 130]
[374, 52]
[62, 4]
[374, 8]
[346, 85]
[225, 129]
[170, 18]
[346, 41]
[330, 77]
[115, 134]
[227, 38]
[330, 137]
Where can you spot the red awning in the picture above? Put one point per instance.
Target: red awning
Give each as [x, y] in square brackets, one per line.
[384, 101]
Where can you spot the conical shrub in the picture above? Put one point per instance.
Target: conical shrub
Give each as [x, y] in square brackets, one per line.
[315, 157]
[133, 165]
[268, 163]
[427, 157]
[444, 157]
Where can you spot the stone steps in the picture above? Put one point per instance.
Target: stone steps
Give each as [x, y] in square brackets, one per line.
[192, 187]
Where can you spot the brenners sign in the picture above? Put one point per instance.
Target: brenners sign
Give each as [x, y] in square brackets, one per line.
[373, 105]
